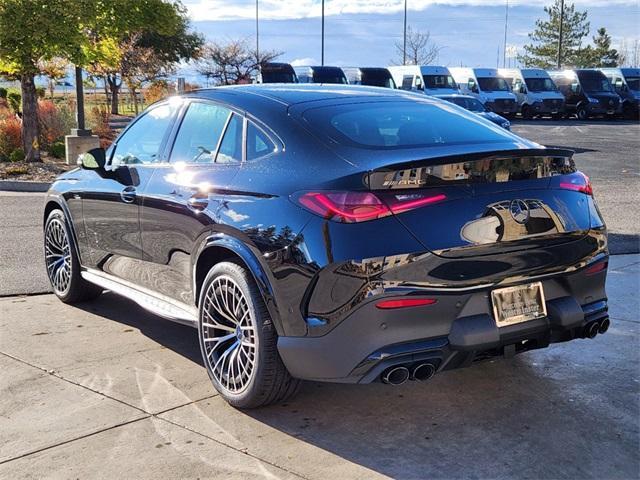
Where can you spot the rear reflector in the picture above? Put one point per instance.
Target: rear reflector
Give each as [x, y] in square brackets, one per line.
[352, 207]
[405, 302]
[596, 268]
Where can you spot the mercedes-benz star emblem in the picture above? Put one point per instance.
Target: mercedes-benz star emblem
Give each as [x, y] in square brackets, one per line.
[519, 211]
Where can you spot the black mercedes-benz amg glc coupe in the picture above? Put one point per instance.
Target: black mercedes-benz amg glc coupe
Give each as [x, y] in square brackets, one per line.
[333, 233]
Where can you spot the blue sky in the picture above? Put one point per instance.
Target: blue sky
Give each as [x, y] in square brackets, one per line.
[363, 32]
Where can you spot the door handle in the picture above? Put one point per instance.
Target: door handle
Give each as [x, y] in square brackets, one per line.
[198, 203]
[128, 194]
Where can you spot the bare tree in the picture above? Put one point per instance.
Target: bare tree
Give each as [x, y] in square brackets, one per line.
[233, 62]
[140, 65]
[421, 50]
[629, 54]
[55, 69]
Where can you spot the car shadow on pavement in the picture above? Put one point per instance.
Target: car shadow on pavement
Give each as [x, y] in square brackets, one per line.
[182, 339]
[623, 243]
[486, 421]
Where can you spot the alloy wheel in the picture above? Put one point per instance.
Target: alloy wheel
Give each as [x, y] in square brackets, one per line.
[228, 334]
[57, 254]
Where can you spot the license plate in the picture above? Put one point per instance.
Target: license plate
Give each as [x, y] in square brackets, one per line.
[518, 304]
[610, 112]
[554, 111]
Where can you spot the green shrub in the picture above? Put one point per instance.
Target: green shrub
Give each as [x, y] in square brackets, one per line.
[15, 100]
[41, 92]
[57, 150]
[17, 155]
[3, 92]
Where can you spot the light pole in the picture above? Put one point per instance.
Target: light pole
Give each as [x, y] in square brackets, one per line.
[404, 41]
[322, 48]
[506, 22]
[560, 34]
[257, 36]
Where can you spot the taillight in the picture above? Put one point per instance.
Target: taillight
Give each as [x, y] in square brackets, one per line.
[405, 302]
[578, 182]
[596, 268]
[352, 207]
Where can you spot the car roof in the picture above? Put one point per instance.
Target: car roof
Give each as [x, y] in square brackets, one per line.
[288, 94]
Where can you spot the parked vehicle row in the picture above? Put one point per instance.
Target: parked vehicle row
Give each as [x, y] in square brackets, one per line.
[531, 92]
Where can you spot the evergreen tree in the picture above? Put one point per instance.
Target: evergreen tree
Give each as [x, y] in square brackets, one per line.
[605, 56]
[543, 50]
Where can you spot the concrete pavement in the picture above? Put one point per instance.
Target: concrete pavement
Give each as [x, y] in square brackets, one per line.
[107, 390]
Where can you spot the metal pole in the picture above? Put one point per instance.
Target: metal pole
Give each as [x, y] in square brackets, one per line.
[257, 36]
[560, 34]
[404, 43]
[80, 131]
[322, 53]
[506, 22]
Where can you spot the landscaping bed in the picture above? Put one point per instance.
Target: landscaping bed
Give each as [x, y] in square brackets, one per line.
[45, 171]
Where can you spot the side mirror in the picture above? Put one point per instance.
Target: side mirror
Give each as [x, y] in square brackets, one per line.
[474, 89]
[523, 89]
[94, 159]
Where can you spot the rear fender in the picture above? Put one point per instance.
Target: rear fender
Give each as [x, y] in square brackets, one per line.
[251, 261]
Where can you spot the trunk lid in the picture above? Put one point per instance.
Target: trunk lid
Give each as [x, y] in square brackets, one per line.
[493, 201]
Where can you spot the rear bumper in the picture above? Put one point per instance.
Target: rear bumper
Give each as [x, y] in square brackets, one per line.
[454, 332]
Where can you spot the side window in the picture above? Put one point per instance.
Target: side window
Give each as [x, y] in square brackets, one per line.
[199, 134]
[407, 82]
[231, 146]
[141, 142]
[418, 82]
[258, 143]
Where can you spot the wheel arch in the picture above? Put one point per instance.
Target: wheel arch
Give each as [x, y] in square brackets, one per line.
[223, 247]
[55, 203]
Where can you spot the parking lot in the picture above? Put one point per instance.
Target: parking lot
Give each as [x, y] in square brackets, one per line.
[108, 390]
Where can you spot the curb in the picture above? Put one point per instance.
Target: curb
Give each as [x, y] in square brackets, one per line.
[18, 186]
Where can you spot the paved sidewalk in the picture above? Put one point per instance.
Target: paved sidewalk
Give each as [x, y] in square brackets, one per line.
[107, 390]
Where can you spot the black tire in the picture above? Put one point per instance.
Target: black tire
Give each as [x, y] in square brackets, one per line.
[268, 380]
[73, 288]
[628, 112]
[526, 112]
[582, 113]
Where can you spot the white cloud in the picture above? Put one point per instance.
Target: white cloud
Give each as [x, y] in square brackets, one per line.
[300, 62]
[213, 10]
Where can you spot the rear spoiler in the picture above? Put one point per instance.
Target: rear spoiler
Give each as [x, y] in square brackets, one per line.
[484, 167]
[472, 157]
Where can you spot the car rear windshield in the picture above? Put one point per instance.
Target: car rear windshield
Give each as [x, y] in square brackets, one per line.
[400, 124]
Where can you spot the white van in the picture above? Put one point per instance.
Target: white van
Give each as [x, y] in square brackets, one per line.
[489, 87]
[427, 79]
[536, 93]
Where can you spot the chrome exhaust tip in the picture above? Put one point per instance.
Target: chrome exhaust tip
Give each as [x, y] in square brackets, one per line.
[591, 330]
[604, 325]
[423, 372]
[396, 375]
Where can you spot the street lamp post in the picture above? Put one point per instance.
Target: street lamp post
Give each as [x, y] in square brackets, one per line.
[257, 35]
[81, 131]
[560, 34]
[322, 47]
[404, 42]
[81, 140]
